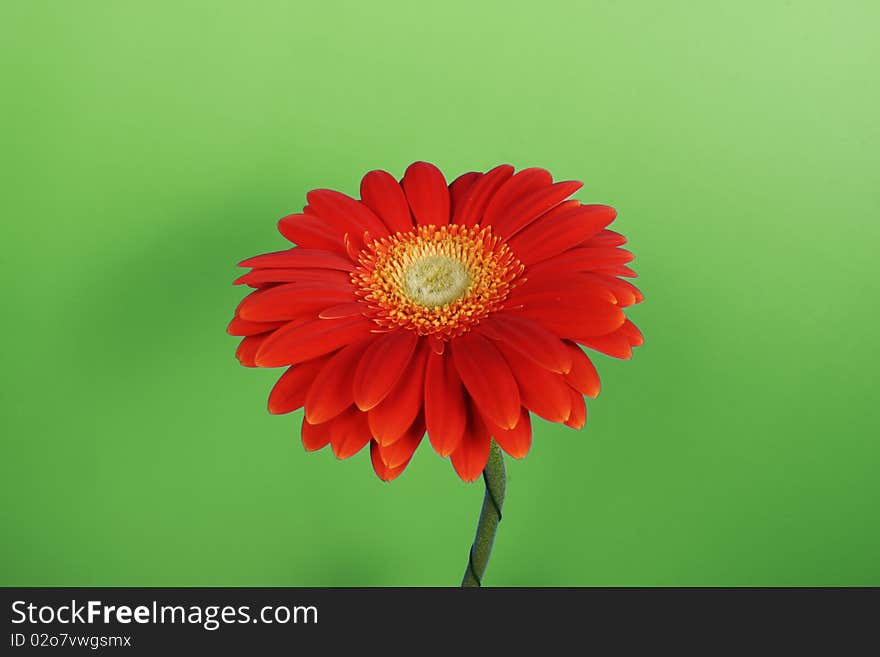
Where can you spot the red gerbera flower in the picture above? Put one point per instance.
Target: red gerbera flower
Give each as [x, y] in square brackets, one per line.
[456, 310]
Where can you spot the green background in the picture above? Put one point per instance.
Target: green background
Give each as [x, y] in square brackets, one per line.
[148, 147]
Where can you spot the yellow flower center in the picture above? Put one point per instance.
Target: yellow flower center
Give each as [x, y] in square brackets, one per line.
[436, 280]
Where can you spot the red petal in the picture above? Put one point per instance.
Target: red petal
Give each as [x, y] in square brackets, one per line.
[299, 257]
[570, 318]
[296, 342]
[541, 391]
[606, 238]
[383, 471]
[292, 300]
[239, 326]
[543, 279]
[331, 392]
[381, 366]
[460, 188]
[427, 194]
[638, 296]
[261, 277]
[560, 230]
[479, 196]
[574, 288]
[382, 194]
[578, 416]
[632, 333]
[315, 436]
[470, 458]
[445, 404]
[311, 232]
[625, 292]
[529, 338]
[343, 310]
[516, 441]
[618, 270]
[349, 433]
[614, 344]
[390, 419]
[247, 349]
[487, 378]
[345, 213]
[400, 451]
[583, 376]
[530, 207]
[520, 185]
[289, 392]
[586, 259]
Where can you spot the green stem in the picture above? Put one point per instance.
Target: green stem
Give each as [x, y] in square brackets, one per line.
[490, 515]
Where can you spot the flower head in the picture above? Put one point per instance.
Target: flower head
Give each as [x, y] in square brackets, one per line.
[456, 310]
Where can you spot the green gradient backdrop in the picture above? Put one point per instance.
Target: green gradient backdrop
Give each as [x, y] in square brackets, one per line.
[147, 147]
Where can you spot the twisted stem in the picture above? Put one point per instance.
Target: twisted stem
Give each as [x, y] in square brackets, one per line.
[496, 483]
